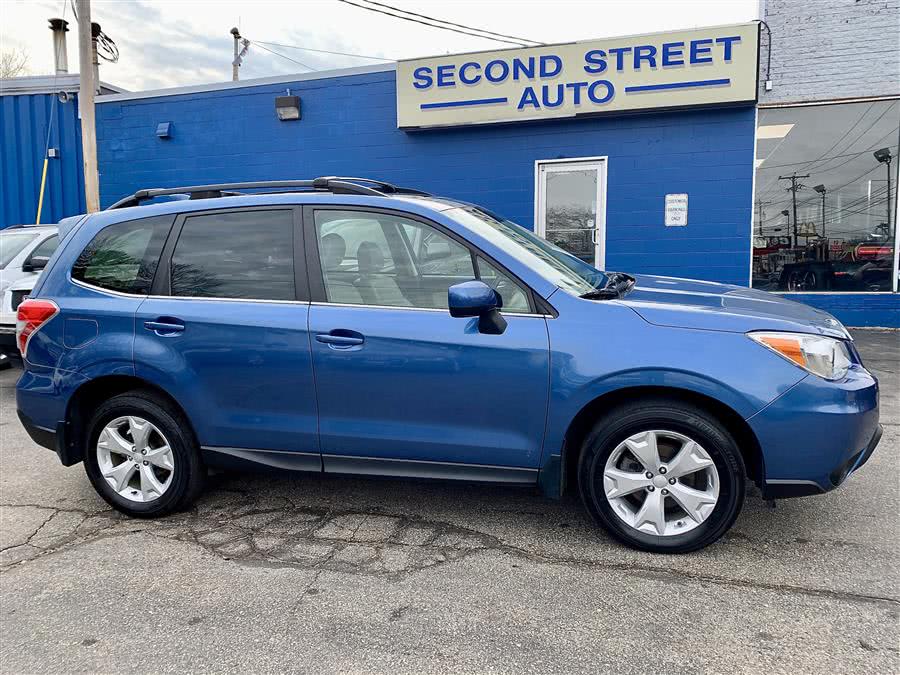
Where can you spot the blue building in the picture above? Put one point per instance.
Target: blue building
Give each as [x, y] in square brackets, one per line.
[28, 106]
[659, 168]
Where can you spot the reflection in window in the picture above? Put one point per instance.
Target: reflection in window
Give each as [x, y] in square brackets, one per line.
[826, 181]
[123, 257]
[246, 254]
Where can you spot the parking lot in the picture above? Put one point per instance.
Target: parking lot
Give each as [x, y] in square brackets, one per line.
[304, 573]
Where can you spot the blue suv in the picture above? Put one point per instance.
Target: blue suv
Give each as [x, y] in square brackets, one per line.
[349, 326]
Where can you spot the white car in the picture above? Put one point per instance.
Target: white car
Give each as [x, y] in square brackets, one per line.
[24, 252]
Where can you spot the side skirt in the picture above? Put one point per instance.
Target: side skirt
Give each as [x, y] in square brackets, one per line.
[407, 468]
[246, 458]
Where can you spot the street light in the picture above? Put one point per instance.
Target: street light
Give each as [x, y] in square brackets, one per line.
[821, 190]
[884, 156]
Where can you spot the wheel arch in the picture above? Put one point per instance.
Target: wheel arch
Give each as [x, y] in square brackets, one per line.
[87, 397]
[583, 421]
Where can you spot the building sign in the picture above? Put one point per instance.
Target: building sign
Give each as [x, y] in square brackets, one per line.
[676, 210]
[708, 66]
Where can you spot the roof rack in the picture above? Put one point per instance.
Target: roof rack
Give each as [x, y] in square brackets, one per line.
[335, 184]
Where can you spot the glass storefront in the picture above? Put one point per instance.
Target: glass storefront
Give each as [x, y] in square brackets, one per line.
[826, 187]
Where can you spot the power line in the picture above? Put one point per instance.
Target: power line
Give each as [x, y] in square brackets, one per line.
[324, 51]
[518, 41]
[450, 23]
[272, 51]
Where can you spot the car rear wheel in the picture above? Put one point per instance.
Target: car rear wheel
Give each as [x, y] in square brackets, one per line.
[141, 456]
[662, 476]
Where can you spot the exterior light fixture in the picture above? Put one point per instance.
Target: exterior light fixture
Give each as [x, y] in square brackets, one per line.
[287, 107]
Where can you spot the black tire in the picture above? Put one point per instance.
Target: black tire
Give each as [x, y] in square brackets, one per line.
[671, 415]
[189, 474]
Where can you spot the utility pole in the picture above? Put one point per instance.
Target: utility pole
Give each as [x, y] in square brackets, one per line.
[86, 90]
[236, 64]
[795, 186]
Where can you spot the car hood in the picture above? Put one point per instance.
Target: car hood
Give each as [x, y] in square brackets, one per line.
[687, 303]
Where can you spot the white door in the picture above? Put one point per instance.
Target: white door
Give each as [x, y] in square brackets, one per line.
[571, 210]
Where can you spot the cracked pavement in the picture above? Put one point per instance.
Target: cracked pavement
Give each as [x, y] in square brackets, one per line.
[275, 572]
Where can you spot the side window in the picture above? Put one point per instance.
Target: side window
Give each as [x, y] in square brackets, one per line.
[381, 259]
[515, 300]
[123, 257]
[247, 254]
[46, 248]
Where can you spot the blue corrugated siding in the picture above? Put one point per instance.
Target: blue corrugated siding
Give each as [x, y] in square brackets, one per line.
[23, 120]
[349, 128]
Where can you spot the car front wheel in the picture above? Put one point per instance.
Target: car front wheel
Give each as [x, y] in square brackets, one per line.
[662, 476]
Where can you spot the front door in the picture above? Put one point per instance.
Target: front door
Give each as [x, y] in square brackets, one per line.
[570, 208]
[403, 387]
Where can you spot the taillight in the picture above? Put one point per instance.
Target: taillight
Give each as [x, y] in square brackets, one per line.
[31, 316]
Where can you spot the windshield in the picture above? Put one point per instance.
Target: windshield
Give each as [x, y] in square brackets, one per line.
[11, 244]
[550, 261]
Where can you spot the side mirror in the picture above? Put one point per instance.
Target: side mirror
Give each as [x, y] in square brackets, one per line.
[476, 298]
[35, 263]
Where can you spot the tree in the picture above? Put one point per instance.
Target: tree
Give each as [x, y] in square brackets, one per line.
[13, 63]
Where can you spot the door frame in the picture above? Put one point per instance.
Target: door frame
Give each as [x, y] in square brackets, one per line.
[601, 163]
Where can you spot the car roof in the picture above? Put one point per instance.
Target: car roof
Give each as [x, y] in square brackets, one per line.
[39, 229]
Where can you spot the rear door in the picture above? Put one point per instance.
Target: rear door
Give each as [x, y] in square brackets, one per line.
[403, 387]
[225, 332]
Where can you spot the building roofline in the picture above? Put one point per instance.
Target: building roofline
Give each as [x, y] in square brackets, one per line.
[258, 82]
[48, 84]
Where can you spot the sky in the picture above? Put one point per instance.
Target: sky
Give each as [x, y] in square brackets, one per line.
[171, 43]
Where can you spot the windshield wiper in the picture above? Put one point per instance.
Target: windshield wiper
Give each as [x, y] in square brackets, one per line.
[617, 284]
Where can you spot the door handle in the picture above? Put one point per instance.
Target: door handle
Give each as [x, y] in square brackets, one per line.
[341, 339]
[165, 328]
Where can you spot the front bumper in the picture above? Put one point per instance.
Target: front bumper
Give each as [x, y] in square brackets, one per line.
[817, 434]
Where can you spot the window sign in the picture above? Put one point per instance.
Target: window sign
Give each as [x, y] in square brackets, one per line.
[676, 210]
[708, 66]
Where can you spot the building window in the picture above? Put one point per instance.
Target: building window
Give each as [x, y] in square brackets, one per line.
[826, 189]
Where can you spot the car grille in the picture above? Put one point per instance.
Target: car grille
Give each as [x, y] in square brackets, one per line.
[17, 298]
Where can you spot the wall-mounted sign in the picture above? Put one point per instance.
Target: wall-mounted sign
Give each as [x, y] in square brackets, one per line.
[707, 66]
[676, 210]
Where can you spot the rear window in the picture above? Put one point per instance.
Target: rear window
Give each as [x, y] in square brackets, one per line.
[123, 257]
[11, 245]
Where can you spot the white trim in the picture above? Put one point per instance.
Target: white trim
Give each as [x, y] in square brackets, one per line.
[258, 82]
[578, 42]
[753, 193]
[601, 162]
[47, 84]
[831, 101]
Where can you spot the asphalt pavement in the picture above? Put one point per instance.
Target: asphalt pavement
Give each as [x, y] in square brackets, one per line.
[295, 573]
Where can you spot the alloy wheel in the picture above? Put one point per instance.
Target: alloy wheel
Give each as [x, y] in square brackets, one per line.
[661, 483]
[135, 459]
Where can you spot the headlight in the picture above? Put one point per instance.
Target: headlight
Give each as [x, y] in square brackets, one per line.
[822, 356]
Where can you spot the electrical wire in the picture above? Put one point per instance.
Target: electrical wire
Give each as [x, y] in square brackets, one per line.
[51, 117]
[106, 46]
[272, 51]
[324, 51]
[518, 42]
[450, 23]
